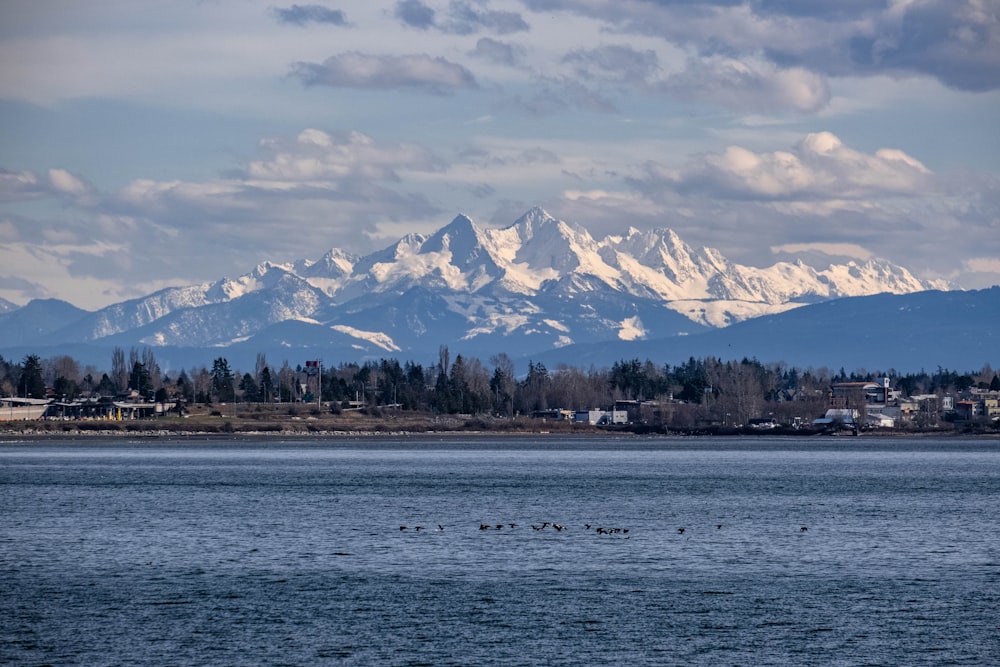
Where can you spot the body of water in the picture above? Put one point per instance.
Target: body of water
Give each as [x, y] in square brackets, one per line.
[845, 551]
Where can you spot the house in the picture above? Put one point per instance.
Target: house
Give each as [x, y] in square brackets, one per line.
[880, 420]
[978, 407]
[601, 417]
[553, 414]
[844, 416]
[968, 410]
[850, 394]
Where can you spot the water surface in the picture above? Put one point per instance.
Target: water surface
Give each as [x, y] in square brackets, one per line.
[195, 552]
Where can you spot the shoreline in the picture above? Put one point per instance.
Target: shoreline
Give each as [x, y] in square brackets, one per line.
[421, 427]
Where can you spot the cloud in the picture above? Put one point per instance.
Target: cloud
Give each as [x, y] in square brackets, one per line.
[57, 183]
[49, 270]
[819, 167]
[497, 52]
[462, 18]
[852, 250]
[316, 156]
[26, 288]
[615, 62]
[415, 14]
[299, 192]
[64, 182]
[303, 14]
[350, 179]
[298, 195]
[360, 70]
[749, 85]
[956, 42]
[8, 231]
[984, 265]
[553, 96]
[19, 186]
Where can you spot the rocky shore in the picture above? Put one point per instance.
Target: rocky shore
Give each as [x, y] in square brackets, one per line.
[273, 423]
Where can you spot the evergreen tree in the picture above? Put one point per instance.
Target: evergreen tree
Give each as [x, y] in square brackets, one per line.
[106, 387]
[185, 388]
[458, 385]
[32, 385]
[222, 380]
[140, 379]
[251, 393]
[65, 388]
[533, 391]
[266, 385]
[503, 384]
[442, 401]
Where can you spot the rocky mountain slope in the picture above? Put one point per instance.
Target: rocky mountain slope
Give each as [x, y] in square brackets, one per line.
[539, 284]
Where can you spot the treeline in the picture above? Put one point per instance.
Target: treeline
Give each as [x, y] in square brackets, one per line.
[710, 388]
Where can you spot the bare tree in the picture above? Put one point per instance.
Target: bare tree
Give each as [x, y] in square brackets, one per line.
[444, 360]
[119, 370]
[259, 367]
[574, 389]
[62, 366]
[148, 360]
[286, 383]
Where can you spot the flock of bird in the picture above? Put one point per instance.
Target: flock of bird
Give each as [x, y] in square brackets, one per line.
[558, 527]
[545, 525]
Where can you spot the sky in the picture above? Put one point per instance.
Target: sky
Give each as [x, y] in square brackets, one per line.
[173, 142]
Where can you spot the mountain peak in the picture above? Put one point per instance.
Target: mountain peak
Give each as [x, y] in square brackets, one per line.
[461, 231]
[534, 220]
[335, 263]
[538, 283]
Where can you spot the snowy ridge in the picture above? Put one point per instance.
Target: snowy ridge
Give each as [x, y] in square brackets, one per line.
[540, 283]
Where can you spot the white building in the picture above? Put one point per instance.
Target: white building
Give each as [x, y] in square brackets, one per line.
[602, 417]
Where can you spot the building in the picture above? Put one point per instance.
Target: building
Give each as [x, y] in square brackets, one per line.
[20, 409]
[601, 417]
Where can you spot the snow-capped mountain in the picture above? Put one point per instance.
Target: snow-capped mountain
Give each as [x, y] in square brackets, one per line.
[537, 285]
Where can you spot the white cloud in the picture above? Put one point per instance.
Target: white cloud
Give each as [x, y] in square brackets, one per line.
[18, 186]
[33, 271]
[316, 156]
[832, 249]
[819, 167]
[27, 185]
[984, 265]
[8, 232]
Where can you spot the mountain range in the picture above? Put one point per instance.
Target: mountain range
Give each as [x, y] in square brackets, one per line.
[541, 288]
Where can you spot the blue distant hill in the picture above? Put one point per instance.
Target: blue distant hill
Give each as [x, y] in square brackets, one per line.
[956, 330]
